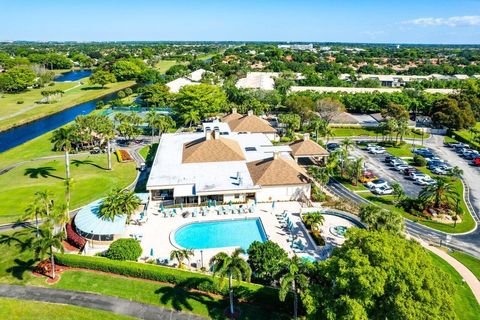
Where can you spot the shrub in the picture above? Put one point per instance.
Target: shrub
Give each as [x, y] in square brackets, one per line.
[20, 102]
[249, 292]
[121, 94]
[419, 161]
[128, 91]
[100, 104]
[317, 194]
[73, 238]
[124, 249]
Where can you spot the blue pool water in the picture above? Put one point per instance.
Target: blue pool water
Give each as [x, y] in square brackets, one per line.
[73, 75]
[219, 234]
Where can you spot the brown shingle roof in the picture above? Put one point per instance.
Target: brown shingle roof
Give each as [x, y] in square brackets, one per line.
[279, 171]
[306, 147]
[250, 123]
[213, 150]
[230, 117]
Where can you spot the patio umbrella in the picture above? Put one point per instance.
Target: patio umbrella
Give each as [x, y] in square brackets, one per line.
[255, 201]
[209, 203]
[230, 203]
[162, 208]
[151, 252]
[214, 203]
[174, 211]
[273, 205]
[181, 205]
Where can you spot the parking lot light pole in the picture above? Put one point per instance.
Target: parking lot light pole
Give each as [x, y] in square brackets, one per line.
[201, 257]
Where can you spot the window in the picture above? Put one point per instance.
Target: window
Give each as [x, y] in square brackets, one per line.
[236, 196]
[250, 149]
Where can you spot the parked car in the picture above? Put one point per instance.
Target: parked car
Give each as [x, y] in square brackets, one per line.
[96, 150]
[441, 170]
[332, 146]
[371, 146]
[401, 167]
[389, 158]
[427, 181]
[408, 171]
[368, 176]
[397, 162]
[384, 190]
[417, 175]
[476, 162]
[377, 183]
[378, 150]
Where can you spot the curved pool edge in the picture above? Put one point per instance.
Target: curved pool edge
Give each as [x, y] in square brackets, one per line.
[171, 236]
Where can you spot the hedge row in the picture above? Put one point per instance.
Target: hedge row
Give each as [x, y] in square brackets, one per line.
[249, 292]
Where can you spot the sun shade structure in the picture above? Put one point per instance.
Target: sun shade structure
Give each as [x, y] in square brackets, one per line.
[212, 148]
[307, 148]
[89, 224]
[276, 171]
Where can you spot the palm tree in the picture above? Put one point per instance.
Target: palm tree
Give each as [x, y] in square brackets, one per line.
[62, 140]
[313, 220]
[46, 243]
[402, 128]
[232, 267]
[107, 132]
[456, 172]
[33, 211]
[181, 255]
[152, 119]
[347, 143]
[357, 168]
[398, 191]
[191, 117]
[294, 281]
[44, 199]
[439, 192]
[117, 203]
[319, 174]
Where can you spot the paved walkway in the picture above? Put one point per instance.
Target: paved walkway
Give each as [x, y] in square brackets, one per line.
[466, 274]
[93, 301]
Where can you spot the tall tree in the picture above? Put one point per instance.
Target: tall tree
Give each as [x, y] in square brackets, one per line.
[328, 109]
[382, 219]
[440, 193]
[267, 260]
[181, 255]
[233, 267]
[62, 140]
[296, 282]
[47, 243]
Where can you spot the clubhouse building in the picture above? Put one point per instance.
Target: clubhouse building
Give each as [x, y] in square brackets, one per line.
[230, 161]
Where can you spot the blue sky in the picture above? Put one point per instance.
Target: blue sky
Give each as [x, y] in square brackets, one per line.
[406, 21]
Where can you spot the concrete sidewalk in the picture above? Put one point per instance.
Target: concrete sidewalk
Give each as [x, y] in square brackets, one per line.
[464, 272]
[94, 301]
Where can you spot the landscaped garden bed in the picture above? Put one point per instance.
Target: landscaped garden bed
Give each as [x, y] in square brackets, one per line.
[123, 155]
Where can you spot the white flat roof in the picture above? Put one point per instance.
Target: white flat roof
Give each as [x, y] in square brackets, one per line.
[169, 172]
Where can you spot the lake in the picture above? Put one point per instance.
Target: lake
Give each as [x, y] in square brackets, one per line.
[18, 135]
[73, 75]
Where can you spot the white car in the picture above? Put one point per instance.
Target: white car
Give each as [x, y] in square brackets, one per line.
[401, 167]
[371, 146]
[385, 190]
[441, 170]
[427, 181]
[378, 150]
[377, 183]
[417, 175]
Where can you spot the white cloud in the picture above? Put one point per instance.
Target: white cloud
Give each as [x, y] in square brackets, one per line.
[450, 22]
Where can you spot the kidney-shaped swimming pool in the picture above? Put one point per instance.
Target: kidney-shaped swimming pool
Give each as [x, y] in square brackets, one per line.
[220, 234]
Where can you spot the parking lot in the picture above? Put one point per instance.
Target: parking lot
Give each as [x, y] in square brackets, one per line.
[376, 164]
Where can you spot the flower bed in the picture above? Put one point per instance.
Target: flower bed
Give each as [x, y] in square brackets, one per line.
[74, 238]
[123, 155]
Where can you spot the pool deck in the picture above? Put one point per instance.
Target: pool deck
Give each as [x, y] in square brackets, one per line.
[157, 232]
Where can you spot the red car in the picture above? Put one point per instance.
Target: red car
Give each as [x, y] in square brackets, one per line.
[476, 162]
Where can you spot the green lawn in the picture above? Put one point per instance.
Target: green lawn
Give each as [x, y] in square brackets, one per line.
[465, 305]
[13, 114]
[148, 152]
[24, 310]
[472, 263]
[348, 184]
[164, 65]
[401, 151]
[467, 135]
[90, 181]
[366, 131]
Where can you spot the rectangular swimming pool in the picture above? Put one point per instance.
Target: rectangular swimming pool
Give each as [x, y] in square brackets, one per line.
[220, 234]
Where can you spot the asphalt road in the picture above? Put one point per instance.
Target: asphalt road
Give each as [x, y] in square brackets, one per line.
[94, 301]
